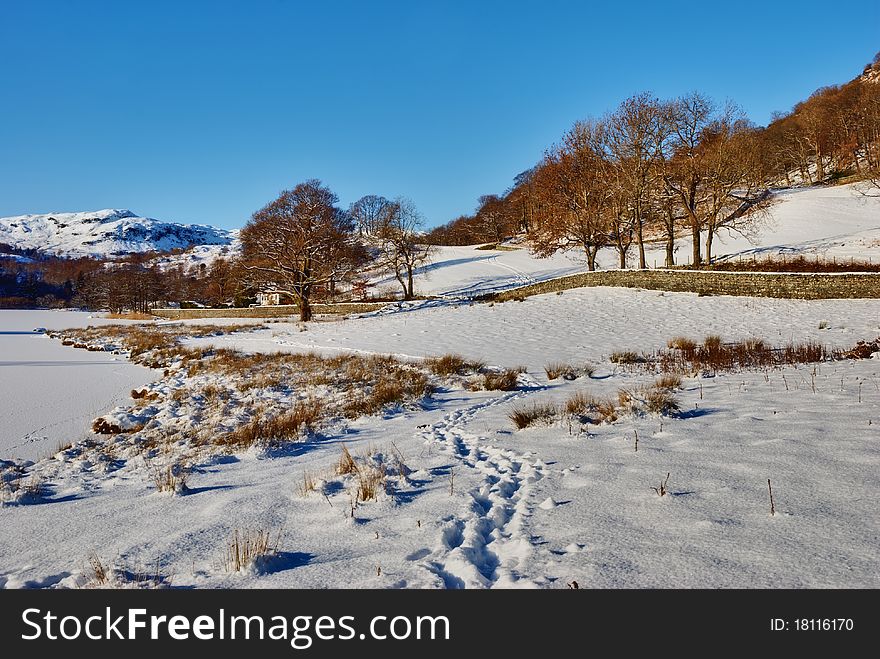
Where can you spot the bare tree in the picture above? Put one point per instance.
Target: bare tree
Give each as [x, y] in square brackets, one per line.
[495, 217]
[573, 181]
[402, 248]
[869, 125]
[684, 173]
[523, 199]
[816, 122]
[220, 281]
[297, 243]
[370, 213]
[635, 139]
[714, 170]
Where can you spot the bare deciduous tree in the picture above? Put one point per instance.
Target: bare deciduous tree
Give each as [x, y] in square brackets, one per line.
[573, 180]
[713, 169]
[401, 246]
[370, 213]
[298, 242]
[635, 139]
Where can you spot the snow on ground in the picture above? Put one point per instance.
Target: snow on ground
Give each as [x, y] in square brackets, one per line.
[490, 506]
[832, 222]
[49, 394]
[480, 504]
[469, 271]
[828, 222]
[584, 324]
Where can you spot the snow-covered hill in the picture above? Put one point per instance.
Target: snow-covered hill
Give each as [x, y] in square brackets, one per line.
[104, 233]
[201, 255]
[839, 222]
[829, 222]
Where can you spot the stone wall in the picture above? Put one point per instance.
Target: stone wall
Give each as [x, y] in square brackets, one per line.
[807, 286]
[279, 311]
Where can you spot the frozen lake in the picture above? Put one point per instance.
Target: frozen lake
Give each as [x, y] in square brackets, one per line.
[50, 393]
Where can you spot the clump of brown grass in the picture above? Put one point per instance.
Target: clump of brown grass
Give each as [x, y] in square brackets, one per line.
[531, 414]
[346, 464]
[660, 401]
[386, 391]
[580, 403]
[567, 371]
[651, 399]
[668, 381]
[248, 546]
[274, 430]
[140, 341]
[453, 364]
[170, 479]
[370, 481]
[213, 393]
[681, 343]
[308, 484]
[506, 380]
[590, 409]
[604, 412]
[713, 343]
[626, 357]
[801, 353]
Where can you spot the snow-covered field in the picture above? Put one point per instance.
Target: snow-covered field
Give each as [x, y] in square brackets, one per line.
[487, 505]
[49, 394]
[479, 503]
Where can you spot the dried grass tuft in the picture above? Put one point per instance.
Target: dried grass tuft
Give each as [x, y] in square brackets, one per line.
[531, 414]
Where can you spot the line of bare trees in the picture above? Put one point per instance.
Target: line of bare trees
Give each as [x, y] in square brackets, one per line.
[835, 132]
[655, 170]
[133, 283]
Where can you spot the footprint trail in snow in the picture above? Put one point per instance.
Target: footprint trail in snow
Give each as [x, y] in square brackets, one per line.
[489, 544]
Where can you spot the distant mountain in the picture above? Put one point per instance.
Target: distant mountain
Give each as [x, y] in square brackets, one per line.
[105, 233]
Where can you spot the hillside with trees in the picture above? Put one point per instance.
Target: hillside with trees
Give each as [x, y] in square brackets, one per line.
[655, 169]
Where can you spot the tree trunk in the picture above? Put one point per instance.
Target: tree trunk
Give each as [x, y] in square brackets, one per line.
[696, 258]
[398, 275]
[669, 225]
[709, 235]
[409, 284]
[305, 309]
[670, 249]
[639, 238]
[591, 258]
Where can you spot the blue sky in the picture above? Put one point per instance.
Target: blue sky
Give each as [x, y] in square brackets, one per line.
[204, 111]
